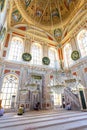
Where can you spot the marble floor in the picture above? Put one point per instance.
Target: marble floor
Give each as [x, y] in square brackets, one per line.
[45, 120]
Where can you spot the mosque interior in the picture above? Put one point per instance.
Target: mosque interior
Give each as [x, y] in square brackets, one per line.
[43, 54]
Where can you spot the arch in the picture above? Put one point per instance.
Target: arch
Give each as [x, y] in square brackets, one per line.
[36, 51]
[9, 91]
[16, 49]
[82, 42]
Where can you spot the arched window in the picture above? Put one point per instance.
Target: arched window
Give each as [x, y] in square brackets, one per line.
[54, 58]
[67, 55]
[82, 42]
[36, 51]
[9, 91]
[16, 49]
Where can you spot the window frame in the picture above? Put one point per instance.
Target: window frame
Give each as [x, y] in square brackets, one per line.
[56, 58]
[36, 54]
[22, 46]
[78, 35]
[68, 62]
[10, 88]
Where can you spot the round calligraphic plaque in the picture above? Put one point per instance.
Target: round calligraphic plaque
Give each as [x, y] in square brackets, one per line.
[75, 55]
[26, 56]
[46, 61]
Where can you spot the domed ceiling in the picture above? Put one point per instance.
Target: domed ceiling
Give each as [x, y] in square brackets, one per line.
[52, 16]
[47, 13]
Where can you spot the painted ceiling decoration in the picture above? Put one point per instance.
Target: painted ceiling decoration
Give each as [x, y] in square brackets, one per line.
[39, 13]
[55, 13]
[54, 17]
[47, 13]
[58, 34]
[2, 34]
[16, 16]
[27, 3]
[2, 3]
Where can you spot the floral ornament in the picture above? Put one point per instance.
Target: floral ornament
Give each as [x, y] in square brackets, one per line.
[27, 3]
[26, 56]
[75, 55]
[38, 13]
[46, 61]
[55, 13]
[2, 3]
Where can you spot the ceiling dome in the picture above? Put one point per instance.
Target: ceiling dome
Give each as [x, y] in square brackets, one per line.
[47, 12]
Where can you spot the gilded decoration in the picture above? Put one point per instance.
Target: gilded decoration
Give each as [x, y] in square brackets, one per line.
[48, 12]
[53, 17]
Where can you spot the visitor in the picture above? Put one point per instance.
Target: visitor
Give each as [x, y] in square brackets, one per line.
[22, 105]
[1, 112]
[63, 104]
[68, 106]
[1, 108]
[37, 106]
[20, 111]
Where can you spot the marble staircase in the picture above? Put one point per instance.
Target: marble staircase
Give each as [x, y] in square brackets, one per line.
[45, 120]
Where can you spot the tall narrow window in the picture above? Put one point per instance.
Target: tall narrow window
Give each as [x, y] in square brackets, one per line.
[16, 49]
[67, 55]
[9, 91]
[36, 51]
[54, 58]
[82, 42]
